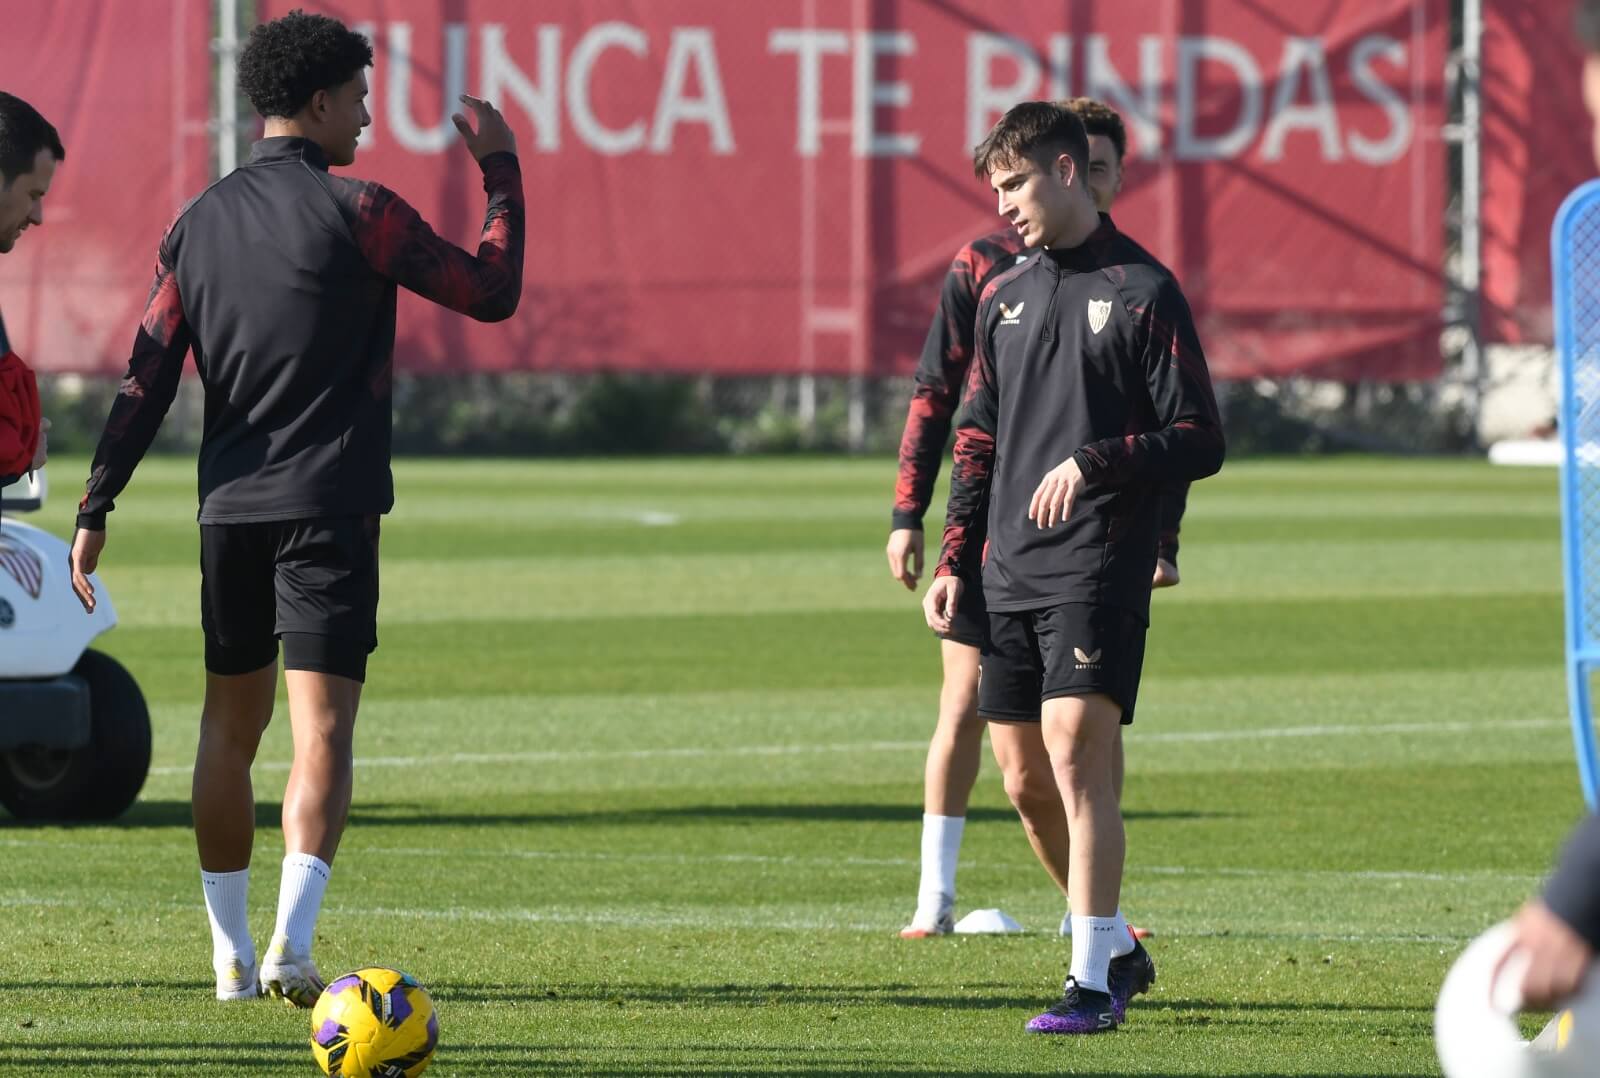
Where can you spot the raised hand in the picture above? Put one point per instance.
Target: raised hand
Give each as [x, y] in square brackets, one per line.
[493, 134]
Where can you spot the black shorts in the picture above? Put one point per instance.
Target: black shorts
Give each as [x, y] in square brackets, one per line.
[1073, 649]
[312, 583]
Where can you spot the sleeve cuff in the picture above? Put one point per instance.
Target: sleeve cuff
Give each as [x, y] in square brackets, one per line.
[505, 157]
[92, 522]
[1086, 466]
[902, 518]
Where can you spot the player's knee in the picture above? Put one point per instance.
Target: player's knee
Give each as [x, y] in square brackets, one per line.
[1032, 791]
[958, 696]
[1083, 766]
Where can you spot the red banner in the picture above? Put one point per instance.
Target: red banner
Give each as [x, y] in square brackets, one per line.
[742, 188]
[127, 85]
[1536, 149]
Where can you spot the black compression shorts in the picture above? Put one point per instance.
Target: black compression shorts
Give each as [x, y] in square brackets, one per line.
[312, 583]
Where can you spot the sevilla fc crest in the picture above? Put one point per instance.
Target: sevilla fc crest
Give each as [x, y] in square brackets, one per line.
[1099, 313]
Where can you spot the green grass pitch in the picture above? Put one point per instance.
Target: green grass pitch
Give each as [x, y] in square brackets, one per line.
[640, 785]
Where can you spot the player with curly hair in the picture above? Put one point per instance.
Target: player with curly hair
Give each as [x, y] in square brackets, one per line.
[282, 277]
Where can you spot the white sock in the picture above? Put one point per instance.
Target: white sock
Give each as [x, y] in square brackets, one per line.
[1124, 938]
[1066, 922]
[1092, 941]
[941, 846]
[227, 905]
[305, 878]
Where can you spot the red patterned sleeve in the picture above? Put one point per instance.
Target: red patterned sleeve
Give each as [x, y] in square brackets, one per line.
[973, 463]
[1188, 445]
[400, 245]
[941, 376]
[142, 400]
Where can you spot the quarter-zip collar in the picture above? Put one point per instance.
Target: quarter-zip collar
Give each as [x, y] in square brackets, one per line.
[288, 148]
[1086, 255]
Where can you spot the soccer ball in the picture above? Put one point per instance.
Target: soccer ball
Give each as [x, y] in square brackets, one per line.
[1475, 1028]
[374, 1023]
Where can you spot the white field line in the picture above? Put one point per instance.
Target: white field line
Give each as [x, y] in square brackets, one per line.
[716, 920]
[700, 752]
[444, 854]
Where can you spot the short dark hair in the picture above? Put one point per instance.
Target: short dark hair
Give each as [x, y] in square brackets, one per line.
[23, 133]
[1038, 131]
[1586, 21]
[289, 59]
[1100, 118]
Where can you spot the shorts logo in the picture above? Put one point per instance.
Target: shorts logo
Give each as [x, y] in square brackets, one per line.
[1087, 660]
[1011, 316]
[1099, 313]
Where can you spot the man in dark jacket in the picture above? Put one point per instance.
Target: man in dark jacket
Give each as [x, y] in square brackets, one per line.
[283, 278]
[1088, 395]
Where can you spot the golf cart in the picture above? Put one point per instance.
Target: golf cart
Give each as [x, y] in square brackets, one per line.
[74, 729]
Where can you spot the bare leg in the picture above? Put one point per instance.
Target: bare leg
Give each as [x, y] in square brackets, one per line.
[1081, 734]
[1019, 749]
[236, 712]
[956, 749]
[316, 802]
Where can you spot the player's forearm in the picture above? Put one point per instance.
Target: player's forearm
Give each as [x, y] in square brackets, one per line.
[1573, 893]
[1184, 452]
[1174, 500]
[502, 243]
[400, 245]
[969, 483]
[136, 414]
[921, 444]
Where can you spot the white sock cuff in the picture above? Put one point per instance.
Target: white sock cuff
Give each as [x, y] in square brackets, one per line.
[1091, 951]
[941, 849]
[1125, 942]
[310, 862]
[227, 908]
[305, 879]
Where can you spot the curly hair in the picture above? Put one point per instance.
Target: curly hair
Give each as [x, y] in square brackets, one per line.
[1036, 131]
[289, 59]
[23, 133]
[1100, 118]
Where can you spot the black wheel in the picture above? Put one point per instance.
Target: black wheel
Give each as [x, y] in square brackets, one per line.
[98, 781]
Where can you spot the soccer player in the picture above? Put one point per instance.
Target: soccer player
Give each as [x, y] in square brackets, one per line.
[30, 148]
[1088, 392]
[282, 277]
[953, 754]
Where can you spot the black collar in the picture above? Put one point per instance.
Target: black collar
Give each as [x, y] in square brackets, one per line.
[288, 148]
[1086, 254]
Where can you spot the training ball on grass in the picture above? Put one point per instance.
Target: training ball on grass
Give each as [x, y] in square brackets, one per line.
[374, 1023]
[1475, 1028]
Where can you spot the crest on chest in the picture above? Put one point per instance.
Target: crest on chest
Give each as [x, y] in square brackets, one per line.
[1099, 314]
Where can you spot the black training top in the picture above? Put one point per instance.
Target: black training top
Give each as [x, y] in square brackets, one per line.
[1089, 353]
[1573, 893]
[282, 277]
[942, 369]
